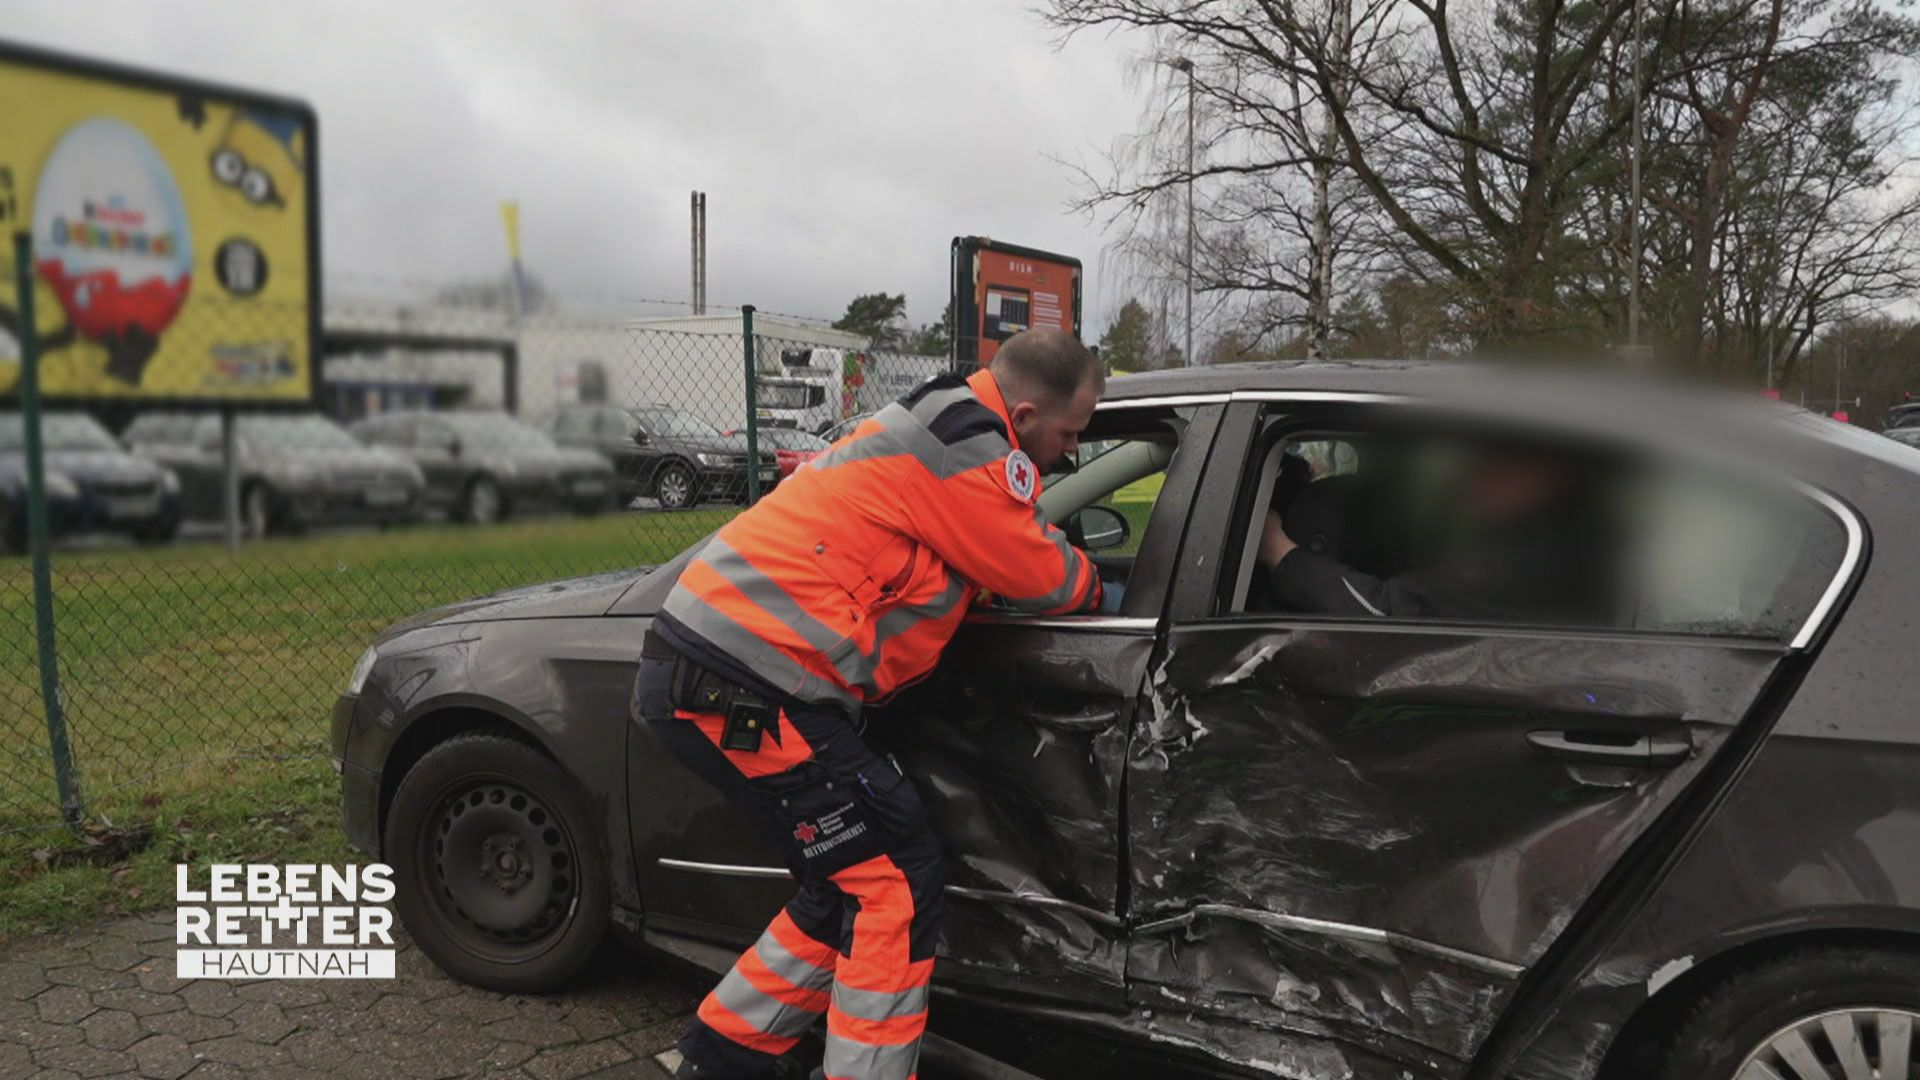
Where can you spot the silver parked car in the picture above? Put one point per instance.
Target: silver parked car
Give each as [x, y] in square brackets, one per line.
[296, 470]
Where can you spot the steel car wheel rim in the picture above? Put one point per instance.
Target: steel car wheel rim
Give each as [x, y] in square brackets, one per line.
[675, 489]
[485, 503]
[1869, 1041]
[504, 870]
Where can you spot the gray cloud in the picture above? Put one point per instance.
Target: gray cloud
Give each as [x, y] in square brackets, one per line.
[842, 145]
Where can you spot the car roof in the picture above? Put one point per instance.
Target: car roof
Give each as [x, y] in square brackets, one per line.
[1604, 403]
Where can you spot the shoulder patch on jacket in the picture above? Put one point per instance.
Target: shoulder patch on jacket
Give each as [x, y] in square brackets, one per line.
[1022, 477]
[965, 419]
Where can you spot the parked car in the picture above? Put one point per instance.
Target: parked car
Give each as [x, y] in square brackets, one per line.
[296, 470]
[662, 453]
[93, 485]
[483, 466]
[792, 447]
[1905, 415]
[1675, 836]
[843, 429]
[1909, 435]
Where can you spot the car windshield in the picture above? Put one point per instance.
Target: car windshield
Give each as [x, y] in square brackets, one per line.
[58, 431]
[296, 433]
[670, 422]
[495, 431]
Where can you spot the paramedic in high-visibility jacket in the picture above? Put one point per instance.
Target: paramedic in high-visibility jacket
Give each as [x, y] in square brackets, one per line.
[841, 586]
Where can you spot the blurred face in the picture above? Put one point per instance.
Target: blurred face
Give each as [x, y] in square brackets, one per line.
[1049, 431]
[1509, 486]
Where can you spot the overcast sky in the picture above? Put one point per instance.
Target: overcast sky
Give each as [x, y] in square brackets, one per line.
[842, 143]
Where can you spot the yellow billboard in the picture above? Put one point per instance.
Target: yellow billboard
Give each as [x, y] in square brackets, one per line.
[174, 234]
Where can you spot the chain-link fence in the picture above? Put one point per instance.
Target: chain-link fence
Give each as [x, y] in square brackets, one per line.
[456, 448]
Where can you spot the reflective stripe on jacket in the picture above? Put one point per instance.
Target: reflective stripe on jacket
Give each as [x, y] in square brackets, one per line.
[848, 580]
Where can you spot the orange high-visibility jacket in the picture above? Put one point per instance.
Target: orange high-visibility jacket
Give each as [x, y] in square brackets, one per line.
[847, 581]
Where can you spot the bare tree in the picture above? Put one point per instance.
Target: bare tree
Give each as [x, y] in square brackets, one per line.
[1465, 130]
[1277, 213]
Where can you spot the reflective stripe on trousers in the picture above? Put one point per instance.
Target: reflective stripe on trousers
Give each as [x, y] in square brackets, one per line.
[856, 943]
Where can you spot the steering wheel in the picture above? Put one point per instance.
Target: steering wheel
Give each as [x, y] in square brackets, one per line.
[1315, 515]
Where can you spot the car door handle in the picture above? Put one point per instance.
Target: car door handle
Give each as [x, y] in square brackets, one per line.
[1613, 747]
[1081, 722]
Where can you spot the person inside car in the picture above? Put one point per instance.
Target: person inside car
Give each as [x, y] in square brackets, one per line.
[1531, 547]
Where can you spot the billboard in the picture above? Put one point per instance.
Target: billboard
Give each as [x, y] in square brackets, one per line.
[174, 231]
[1002, 289]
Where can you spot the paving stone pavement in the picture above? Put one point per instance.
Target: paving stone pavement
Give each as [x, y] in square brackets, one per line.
[104, 1003]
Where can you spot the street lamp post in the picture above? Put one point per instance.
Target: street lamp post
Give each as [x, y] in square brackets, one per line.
[1186, 65]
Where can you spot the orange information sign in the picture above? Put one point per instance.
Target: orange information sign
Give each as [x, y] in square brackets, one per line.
[1002, 289]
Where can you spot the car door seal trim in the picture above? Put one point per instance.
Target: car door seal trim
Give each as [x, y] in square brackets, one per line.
[1067, 622]
[725, 869]
[1327, 928]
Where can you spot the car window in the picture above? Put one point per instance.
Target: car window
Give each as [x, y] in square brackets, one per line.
[492, 431]
[1118, 478]
[161, 429]
[436, 433]
[387, 431]
[1427, 525]
[676, 423]
[614, 424]
[58, 431]
[293, 432]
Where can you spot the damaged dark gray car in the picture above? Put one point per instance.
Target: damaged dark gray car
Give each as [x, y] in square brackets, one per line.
[1667, 825]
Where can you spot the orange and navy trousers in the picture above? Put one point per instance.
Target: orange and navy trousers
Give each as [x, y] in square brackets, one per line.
[856, 943]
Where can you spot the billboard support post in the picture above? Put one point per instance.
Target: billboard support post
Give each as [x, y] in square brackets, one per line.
[67, 783]
[753, 406]
[230, 478]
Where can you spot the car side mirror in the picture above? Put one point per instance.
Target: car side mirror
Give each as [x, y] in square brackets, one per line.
[1099, 528]
[639, 438]
[454, 447]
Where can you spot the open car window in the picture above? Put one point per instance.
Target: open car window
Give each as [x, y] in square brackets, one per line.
[1416, 524]
[1104, 499]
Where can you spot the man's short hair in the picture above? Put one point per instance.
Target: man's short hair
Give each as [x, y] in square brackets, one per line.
[1049, 362]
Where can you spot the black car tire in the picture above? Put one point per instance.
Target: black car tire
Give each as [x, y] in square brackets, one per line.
[673, 486]
[591, 507]
[482, 502]
[1740, 1015]
[482, 791]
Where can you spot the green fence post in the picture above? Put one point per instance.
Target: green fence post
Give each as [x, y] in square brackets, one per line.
[753, 407]
[71, 809]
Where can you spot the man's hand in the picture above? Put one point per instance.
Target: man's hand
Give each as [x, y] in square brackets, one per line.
[1274, 541]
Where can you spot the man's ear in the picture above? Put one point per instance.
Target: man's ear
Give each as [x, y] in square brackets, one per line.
[1022, 413]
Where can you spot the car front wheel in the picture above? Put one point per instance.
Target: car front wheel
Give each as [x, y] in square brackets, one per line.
[1819, 1014]
[500, 874]
[483, 504]
[674, 487]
